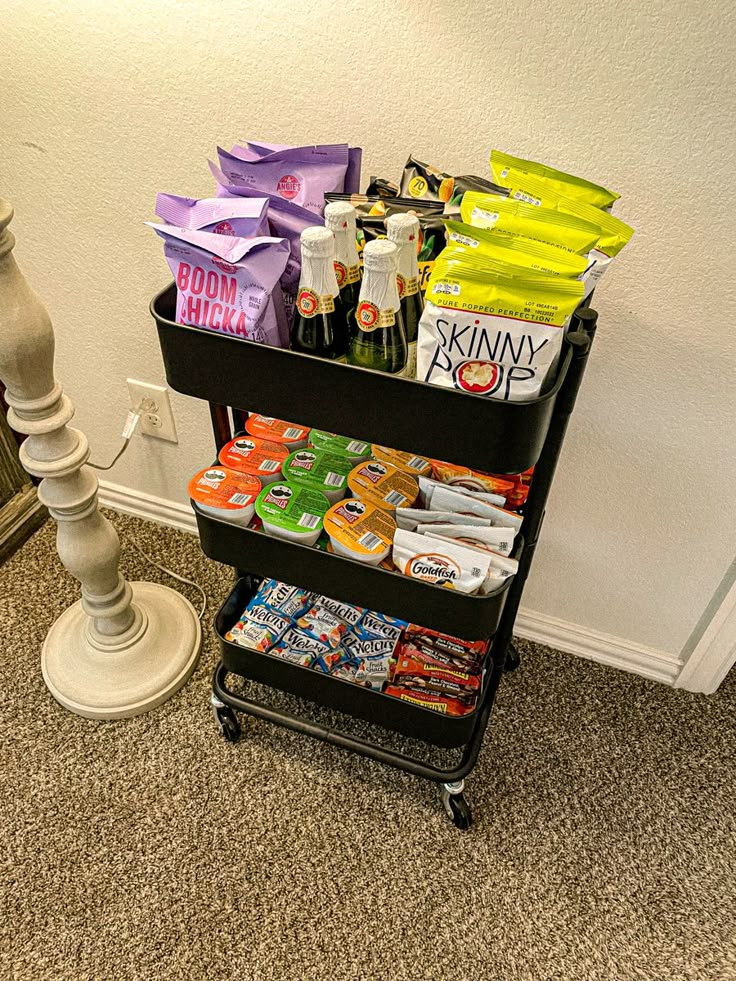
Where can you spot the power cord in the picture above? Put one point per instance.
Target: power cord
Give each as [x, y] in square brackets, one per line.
[169, 572]
[131, 421]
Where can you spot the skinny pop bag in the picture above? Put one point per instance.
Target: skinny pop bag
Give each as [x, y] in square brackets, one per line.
[492, 334]
[302, 174]
[548, 225]
[242, 217]
[506, 171]
[225, 283]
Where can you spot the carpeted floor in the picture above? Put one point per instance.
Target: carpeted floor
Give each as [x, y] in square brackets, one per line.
[151, 849]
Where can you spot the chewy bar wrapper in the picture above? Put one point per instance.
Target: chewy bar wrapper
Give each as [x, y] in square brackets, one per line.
[241, 217]
[440, 562]
[435, 673]
[224, 283]
[299, 174]
[466, 650]
[444, 704]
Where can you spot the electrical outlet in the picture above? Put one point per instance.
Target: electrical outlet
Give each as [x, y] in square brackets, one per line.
[157, 418]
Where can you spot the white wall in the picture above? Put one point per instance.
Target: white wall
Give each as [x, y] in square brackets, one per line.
[104, 104]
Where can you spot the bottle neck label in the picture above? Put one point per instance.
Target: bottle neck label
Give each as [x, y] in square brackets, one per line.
[408, 285]
[346, 274]
[370, 317]
[309, 303]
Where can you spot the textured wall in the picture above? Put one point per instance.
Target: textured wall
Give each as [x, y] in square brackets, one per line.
[104, 104]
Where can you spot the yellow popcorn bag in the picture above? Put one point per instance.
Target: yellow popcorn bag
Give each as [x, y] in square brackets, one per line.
[507, 170]
[523, 254]
[508, 217]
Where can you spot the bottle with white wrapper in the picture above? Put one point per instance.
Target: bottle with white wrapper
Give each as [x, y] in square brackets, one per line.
[403, 230]
[378, 339]
[319, 326]
[340, 218]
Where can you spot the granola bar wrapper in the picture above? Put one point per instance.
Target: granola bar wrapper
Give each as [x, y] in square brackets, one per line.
[299, 174]
[468, 650]
[443, 704]
[225, 284]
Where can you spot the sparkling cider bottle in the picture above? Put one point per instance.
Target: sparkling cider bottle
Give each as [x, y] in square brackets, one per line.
[403, 229]
[319, 326]
[378, 338]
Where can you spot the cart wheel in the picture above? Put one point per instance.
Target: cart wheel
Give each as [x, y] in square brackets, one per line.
[513, 660]
[457, 808]
[228, 724]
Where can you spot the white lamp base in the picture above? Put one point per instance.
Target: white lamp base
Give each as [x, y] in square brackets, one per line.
[131, 676]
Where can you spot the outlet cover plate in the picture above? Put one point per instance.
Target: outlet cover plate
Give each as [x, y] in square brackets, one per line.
[157, 419]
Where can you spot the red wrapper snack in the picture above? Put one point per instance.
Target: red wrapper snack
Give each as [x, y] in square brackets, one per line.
[453, 474]
[444, 704]
[467, 650]
[518, 495]
[415, 668]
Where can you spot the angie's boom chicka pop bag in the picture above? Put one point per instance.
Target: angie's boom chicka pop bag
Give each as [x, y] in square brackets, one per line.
[244, 217]
[224, 283]
[254, 149]
[491, 333]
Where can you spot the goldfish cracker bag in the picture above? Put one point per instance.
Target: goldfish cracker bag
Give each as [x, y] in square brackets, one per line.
[506, 216]
[301, 175]
[506, 171]
[225, 283]
[514, 250]
[615, 234]
[490, 333]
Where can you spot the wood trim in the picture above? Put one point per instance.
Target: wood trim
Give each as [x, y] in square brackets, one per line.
[715, 653]
[19, 518]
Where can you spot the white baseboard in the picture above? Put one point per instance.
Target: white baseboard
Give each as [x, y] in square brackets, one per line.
[571, 638]
[616, 652]
[147, 506]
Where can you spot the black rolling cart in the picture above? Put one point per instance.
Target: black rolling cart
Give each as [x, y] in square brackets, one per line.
[237, 376]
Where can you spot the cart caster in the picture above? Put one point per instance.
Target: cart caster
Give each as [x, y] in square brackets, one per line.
[226, 719]
[513, 660]
[457, 808]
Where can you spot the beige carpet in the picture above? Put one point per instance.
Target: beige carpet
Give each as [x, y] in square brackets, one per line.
[603, 846]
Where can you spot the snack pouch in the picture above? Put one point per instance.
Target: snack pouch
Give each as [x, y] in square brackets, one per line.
[615, 234]
[323, 625]
[239, 217]
[467, 650]
[223, 283]
[490, 333]
[509, 217]
[410, 519]
[346, 668]
[372, 212]
[373, 671]
[493, 539]
[523, 254]
[424, 182]
[377, 625]
[352, 174]
[255, 636]
[413, 666]
[286, 220]
[289, 601]
[508, 171]
[304, 643]
[474, 480]
[346, 612]
[328, 662]
[286, 653]
[442, 563]
[299, 174]
[501, 568]
[427, 485]
[445, 498]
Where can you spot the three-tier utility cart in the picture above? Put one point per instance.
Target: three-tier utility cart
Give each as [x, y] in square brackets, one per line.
[237, 376]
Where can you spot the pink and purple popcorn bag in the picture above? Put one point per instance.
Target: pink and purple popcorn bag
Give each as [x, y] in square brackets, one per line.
[241, 217]
[225, 283]
[352, 174]
[302, 175]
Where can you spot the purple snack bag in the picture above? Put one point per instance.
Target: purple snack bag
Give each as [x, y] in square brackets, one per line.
[224, 283]
[243, 218]
[253, 150]
[301, 175]
[287, 220]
